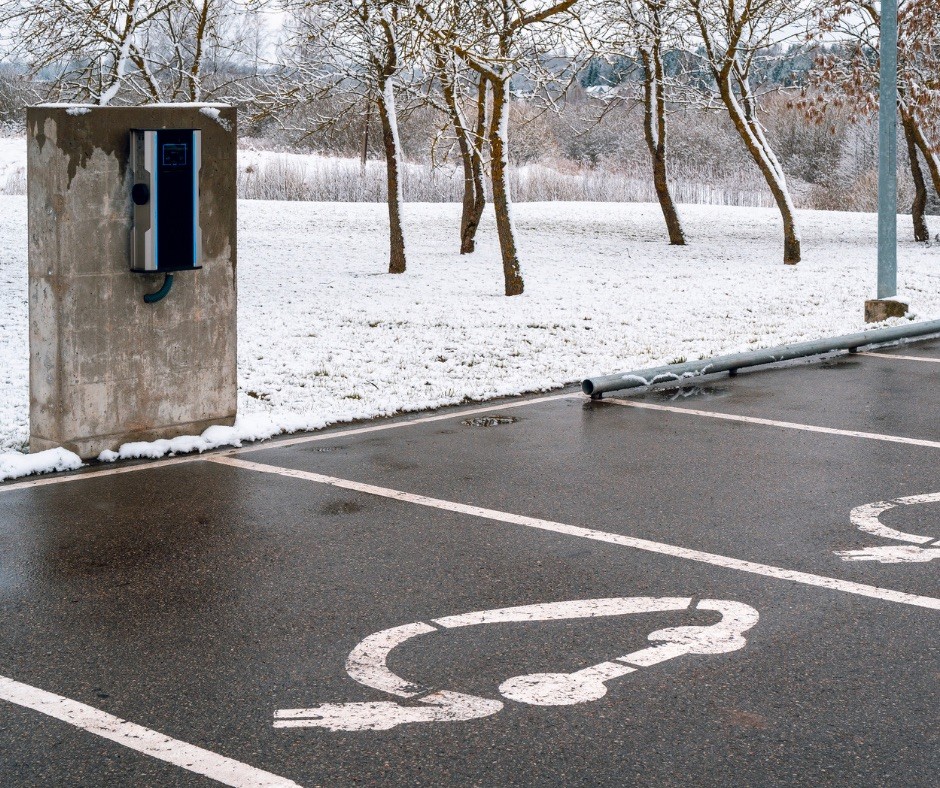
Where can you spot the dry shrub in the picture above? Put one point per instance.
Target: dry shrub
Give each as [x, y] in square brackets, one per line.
[277, 176]
[14, 184]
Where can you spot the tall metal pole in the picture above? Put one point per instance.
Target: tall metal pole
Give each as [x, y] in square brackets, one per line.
[888, 153]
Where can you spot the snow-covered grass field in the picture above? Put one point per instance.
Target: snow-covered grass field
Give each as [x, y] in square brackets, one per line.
[325, 335]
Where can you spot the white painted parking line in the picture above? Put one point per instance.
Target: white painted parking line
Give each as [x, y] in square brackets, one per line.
[111, 471]
[787, 425]
[751, 567]
[867, 518]
[280, 444]
[901, 358]
[367, 663]
[143, 740]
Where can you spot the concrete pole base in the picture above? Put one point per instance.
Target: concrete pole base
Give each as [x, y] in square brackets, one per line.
[878, 310]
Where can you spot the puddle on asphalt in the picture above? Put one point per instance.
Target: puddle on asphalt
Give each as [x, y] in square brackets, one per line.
[489, 421]
[689, 392]
[840, 362]
[341, 507]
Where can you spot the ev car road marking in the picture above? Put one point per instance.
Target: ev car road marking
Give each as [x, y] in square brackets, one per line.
[765, 570]
[902, 358]
[367, 663]
[789, 425]
[866, 518]
[280, 444]
[143, 740]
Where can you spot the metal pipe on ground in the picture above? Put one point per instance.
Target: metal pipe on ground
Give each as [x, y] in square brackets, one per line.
[602, 384]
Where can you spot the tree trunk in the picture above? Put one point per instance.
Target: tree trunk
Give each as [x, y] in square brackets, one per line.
[364, 153]
[386, 102]
[930, 155]
[467, 224]
[498, 138]
[473, 211]
[749, 129]
[474, 198]
[919, 207]
[199, 36]
[654, 127]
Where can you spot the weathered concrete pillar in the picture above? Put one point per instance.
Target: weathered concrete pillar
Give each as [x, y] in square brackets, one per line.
[105, 367]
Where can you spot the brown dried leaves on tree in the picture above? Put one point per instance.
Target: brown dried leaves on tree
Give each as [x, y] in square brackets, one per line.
[849, 74]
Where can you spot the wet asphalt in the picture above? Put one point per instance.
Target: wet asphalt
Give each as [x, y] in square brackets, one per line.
[197, 598]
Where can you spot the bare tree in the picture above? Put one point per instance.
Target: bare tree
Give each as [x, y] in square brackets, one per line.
[850, 74]
[732, 36]
[459, 94]
[494, 38]
[93, 48]
[352, 51]
[128, 50]
[15, 92]
[193, 40]
[464, 89]
[650, 29]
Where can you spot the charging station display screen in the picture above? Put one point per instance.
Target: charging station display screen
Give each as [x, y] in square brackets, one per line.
[175, 200]
[174, 154]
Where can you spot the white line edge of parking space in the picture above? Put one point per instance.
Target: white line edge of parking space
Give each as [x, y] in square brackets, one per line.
[280, 444]
[789, 425]
[79, 476]
[899, 357]
[136, 737]
[647, 545]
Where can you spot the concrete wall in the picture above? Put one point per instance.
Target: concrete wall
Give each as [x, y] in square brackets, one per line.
[105, 367]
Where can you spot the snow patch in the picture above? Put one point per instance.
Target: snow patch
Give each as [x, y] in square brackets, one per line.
[216, 115]
[78, 110]
[13, 464]
[186, 104]
[247, 428]
[388, 98]
[897, 299]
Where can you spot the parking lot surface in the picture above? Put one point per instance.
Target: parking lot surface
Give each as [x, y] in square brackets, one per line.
[729, 583]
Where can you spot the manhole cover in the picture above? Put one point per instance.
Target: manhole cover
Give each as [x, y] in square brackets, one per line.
[489, 421]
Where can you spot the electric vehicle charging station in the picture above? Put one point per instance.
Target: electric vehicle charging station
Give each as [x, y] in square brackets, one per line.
[120, 200]
[167, 236]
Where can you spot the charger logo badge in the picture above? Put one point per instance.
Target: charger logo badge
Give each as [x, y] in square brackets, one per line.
[174, 154]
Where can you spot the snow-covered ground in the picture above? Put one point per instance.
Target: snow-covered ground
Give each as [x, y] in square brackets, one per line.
[325, 335]
[12, 165]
